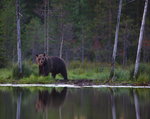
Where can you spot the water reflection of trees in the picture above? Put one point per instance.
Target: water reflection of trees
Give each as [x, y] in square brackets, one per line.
[133, 98]
[113, 104]
[18, 93]
[137, 106]
[19, 99]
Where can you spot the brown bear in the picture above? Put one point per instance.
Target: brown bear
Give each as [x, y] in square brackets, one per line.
[52, 64]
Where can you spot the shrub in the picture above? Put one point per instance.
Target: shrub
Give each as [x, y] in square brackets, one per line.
[27, 70]
[122, 74]
[143, 69]
[143, 78]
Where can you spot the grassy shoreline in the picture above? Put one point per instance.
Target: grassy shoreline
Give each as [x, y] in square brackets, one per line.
[87, 73]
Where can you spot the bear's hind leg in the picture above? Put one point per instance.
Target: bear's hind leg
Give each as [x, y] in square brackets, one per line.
[64, 74]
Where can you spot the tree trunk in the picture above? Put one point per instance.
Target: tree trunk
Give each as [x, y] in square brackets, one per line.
[61, 45]
[18, 37]
[62, 35]
[116, 42]
[110, 19]
[33, 51]
[108, 57]
[124, 52]
[47, 39]
[82, 47]
[45, 26]
[125, 46]
[140, 40]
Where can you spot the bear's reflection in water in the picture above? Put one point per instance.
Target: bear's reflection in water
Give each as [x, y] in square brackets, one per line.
[53, 99]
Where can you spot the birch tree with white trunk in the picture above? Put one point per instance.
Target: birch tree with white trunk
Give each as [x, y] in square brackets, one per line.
[116, 42]
[140, 40]
[18, 37]
[62, 34]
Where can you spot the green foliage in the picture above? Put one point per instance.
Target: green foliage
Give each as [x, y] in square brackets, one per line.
[27, 70]
[5, 73]
[88, 70]
[144, 71]
[122, 74]
[143, 78]
[33, 37]
[7, 30]
[3, 60]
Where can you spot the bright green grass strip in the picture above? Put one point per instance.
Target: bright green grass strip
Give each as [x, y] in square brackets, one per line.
[76, 71]
[36, 79]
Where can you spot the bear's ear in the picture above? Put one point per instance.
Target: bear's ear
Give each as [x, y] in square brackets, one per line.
[37, 55]
[44, 54]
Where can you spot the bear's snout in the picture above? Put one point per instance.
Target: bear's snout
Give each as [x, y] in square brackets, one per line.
[41, 62]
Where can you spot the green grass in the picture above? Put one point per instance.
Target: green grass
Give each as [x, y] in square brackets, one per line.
[98, 72]
[88, 70]
[143, 75]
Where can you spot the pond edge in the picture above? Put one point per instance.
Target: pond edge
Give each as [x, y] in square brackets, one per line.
[70, 86]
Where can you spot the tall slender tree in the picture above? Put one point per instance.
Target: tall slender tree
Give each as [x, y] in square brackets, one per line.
[112, 72]
[18, 37]
[140, 40]
[47, 38]
[82, 45]
[45, 25]
[62, 32]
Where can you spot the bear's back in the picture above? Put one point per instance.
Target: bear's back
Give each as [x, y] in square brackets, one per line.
[57, 63]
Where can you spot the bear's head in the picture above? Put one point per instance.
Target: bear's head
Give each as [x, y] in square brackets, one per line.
[40, 59]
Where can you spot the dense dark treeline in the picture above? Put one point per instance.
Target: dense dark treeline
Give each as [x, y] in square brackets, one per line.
[85, 29]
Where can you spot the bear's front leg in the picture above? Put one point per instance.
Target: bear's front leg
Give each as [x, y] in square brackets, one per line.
[53, 75]
[42, 71]
[45, 71]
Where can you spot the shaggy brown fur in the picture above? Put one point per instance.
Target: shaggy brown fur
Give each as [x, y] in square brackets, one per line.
[52, 64]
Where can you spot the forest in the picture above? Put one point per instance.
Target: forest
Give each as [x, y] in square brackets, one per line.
[82, 32]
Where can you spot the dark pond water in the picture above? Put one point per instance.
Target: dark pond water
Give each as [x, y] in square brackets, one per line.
[74, 103]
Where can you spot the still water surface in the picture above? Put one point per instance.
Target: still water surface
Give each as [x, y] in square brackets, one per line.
[74, 103]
